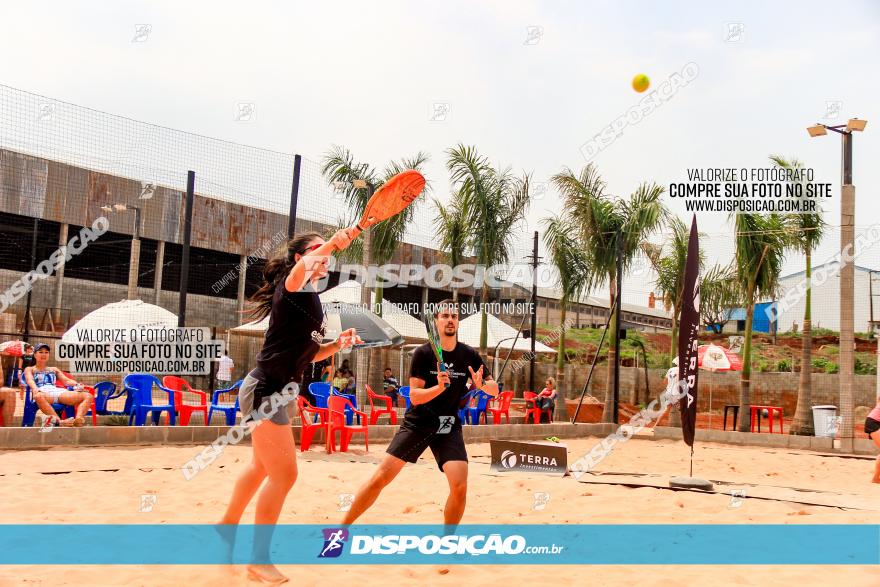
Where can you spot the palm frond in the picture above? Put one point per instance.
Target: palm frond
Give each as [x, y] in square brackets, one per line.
[761, 241]
[805, 231]
[452, 230]
[339, 165]
[672, 260]
[720, 292]
[573, 273]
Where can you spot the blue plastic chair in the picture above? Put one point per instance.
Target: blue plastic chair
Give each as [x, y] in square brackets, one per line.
[349, 412]
[465, 409]
[320, 391]
[31, 409]
[229, 410]
[475, 412]
[140, 386]
[104, 392]
[404, 393]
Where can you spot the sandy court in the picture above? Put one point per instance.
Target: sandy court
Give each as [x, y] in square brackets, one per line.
[106, 485]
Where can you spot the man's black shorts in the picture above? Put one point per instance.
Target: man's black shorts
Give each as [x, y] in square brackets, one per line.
[409, 444]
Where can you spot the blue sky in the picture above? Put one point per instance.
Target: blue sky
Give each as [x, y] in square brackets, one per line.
[367, 75]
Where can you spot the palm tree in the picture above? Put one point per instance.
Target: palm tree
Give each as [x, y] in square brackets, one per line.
[608, 225]
[669, 262]
[379, 243]
[452, 231]
[805, 235]
[572, 276]
[760, 242]
[719, 294]
[494, 202]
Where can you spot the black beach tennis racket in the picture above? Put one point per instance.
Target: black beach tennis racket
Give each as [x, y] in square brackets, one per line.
[434, 338]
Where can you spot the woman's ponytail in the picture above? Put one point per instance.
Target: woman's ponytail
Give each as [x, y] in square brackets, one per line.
[275, 271]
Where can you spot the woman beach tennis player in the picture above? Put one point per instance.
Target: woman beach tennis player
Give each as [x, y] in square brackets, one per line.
[268, 393]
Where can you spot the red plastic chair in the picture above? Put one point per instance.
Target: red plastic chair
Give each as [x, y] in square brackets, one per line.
[310, 425]
[500, 405]
[376, 412]
[336, 405]
[92, 409]
[534, 411]
[179, 385]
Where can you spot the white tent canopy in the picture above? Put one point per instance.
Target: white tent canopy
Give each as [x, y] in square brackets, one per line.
[124, 314]
[496, 331]
[350, 292]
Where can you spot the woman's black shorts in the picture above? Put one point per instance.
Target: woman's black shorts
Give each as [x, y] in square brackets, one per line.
[871, 425]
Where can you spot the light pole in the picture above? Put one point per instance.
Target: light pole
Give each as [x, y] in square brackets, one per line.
[847, 268]
[495, 355]
[135, 246]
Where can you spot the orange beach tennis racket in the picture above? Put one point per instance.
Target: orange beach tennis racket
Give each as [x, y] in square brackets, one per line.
[391, 199]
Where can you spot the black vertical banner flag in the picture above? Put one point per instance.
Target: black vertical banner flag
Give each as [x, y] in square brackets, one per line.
[688, 337]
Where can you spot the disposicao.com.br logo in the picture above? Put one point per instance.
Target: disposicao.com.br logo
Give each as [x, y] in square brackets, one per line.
[334, 542]
[429, 544]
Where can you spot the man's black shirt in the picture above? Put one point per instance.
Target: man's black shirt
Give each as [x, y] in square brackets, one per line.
[424, 366]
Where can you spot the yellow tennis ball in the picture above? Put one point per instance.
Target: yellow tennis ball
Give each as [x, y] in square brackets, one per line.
[641, 82]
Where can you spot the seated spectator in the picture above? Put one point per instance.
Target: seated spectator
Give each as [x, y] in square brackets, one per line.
[546, 400]
[344, 379]
[350, 386]
[390, 386]
[340, 382]
[42, 380]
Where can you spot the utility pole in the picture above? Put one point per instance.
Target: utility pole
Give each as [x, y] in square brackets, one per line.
[187, 237]
[363, 357]
[617, 296]
[27, 309]
[534, 311]
[294, 196]
[847, 269]
[135, 258]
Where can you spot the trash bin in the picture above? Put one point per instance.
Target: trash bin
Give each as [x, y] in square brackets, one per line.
[825, 421]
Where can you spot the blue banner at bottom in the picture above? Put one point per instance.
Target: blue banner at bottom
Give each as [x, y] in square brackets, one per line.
[642, 544]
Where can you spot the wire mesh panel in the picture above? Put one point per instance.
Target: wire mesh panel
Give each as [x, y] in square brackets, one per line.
[93, 208]
[93, 212]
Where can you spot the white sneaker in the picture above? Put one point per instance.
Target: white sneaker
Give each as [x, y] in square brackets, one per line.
[48, 423]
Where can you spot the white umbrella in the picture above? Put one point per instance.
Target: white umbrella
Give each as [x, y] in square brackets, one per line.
[406, 324]
[715, 358]
[496, 332]
[347, 291]
[403, 322]
[125, 314]
[374, 330]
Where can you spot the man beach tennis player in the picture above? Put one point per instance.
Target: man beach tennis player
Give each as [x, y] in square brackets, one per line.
[432, 420]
